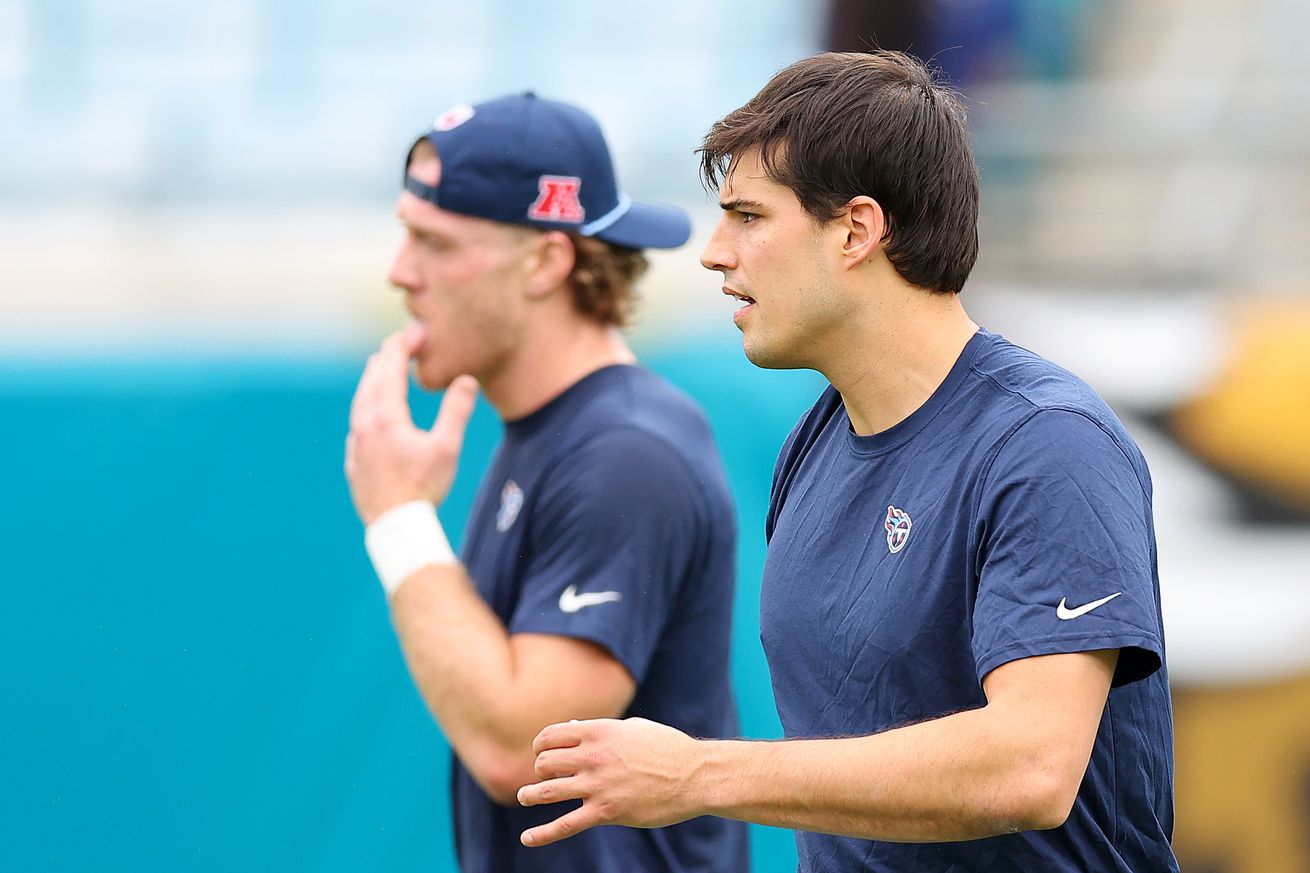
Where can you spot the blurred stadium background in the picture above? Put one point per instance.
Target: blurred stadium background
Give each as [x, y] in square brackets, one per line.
[196, 667]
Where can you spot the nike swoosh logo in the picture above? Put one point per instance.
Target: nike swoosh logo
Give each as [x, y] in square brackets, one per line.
[571, 601]
[1065, 613]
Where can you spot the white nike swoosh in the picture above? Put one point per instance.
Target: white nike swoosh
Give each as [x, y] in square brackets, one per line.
[571, 601]
[1065, 613]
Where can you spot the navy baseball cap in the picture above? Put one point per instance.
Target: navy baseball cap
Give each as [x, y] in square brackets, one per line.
[527, 160]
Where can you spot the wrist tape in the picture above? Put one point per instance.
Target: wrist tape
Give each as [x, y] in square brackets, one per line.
[404, 539]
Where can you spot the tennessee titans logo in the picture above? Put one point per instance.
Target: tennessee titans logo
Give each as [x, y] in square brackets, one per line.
[898, 529]
[511, 501]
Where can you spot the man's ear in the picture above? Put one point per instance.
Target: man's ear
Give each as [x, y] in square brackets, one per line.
[550, 262]
[865, 224]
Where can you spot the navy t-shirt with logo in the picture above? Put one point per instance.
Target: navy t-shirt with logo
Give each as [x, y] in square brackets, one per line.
[1008, 517]
[606, 516]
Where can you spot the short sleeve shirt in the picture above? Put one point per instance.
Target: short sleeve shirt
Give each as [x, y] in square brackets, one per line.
[606, 516]
[1008, 517]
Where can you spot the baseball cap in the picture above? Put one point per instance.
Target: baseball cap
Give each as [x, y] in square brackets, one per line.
[526, 160]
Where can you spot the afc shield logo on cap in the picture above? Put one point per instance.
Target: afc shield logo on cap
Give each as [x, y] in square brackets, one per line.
[898, 528]
[557, 200]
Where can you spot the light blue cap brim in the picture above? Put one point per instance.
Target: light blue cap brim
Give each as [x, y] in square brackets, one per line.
[649, 226]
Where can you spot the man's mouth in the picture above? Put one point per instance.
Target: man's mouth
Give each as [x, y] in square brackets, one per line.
[415, 336]
[746, 300]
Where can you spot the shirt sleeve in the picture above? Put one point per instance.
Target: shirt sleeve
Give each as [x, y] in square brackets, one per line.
[612, 540]
[1066, 550]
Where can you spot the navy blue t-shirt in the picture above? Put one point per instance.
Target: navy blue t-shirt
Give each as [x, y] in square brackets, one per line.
[606, 516]
[1009, 516]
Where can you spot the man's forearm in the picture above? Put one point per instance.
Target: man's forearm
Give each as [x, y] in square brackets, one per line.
[1014, 764]
[459, 654]
[963, 776]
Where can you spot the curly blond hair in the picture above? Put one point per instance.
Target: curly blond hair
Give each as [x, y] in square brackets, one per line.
[604, 279]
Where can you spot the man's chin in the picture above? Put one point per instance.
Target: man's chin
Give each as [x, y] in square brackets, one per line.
[432, 379]
[766, 358]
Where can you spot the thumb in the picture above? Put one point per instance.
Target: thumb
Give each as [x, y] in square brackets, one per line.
[456, 409]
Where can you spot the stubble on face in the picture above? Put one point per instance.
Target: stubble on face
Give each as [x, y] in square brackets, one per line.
[472, 309]
[460, 283]
[778, 259]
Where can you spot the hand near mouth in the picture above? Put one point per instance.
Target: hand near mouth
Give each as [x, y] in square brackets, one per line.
[389, 461]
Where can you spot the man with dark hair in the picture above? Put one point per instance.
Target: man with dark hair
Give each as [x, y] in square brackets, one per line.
[597, 569]
[960, 603]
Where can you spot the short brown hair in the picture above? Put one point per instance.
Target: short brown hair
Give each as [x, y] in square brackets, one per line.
[841, 124]
[604, 278]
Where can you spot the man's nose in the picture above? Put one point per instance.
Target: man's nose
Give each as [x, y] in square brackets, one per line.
[718, 254]
[402, 274]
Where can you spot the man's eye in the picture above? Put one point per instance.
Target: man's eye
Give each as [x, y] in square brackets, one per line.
[748, 217]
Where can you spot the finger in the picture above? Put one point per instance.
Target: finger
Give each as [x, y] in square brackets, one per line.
[563, 735]
[361, 403]
[412, 337]
[568, 825]
[350, 454]
[392, 391]
[393, 345]
[453, 416]
[555, 763]
[551, 791]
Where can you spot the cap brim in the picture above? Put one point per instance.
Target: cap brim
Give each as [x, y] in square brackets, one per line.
[649, 226]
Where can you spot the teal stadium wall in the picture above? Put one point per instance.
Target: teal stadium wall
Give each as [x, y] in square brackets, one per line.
[199, 672]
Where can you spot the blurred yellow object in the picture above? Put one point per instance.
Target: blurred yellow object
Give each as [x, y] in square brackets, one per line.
[1254, 422]
[1242, 759]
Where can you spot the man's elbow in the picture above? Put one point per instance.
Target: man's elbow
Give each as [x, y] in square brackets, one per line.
[501, 773]
[504, 789]
[1045, 800]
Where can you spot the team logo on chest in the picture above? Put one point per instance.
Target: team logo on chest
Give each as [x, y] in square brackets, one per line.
[511, 501]
[557, 200]
[898, 528]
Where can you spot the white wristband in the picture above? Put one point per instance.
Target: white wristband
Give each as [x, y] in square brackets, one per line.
[406, 538]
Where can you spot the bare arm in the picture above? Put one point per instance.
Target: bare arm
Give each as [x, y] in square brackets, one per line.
[1015, 764]
[490, 691]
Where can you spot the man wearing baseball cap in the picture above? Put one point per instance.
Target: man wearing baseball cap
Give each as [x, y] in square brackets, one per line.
[596, 574]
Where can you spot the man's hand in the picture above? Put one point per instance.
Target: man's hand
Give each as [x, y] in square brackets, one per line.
[389, 461]
[632, 772]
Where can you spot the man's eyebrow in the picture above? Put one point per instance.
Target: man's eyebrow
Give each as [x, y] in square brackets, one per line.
[740, 205]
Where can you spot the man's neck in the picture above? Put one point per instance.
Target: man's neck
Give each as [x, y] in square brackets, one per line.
[897, 355]
[549, 363]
